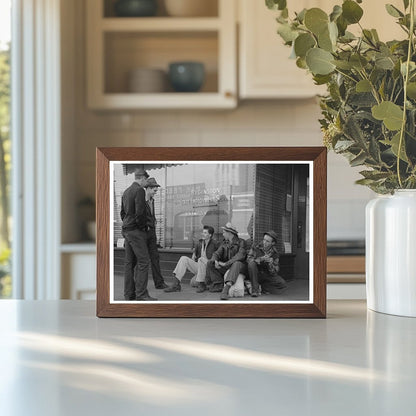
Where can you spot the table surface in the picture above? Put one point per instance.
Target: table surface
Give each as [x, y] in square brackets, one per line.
[57, 358]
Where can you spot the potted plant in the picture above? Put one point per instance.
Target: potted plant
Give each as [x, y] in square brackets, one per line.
[369, 116]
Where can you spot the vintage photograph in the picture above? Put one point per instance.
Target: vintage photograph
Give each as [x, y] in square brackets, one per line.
[211, 232]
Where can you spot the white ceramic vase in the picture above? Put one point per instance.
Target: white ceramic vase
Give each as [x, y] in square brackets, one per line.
[391, 253]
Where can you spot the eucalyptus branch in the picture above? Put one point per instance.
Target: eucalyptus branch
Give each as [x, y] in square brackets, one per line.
[405, 30]
[406, 79]
[361, 59]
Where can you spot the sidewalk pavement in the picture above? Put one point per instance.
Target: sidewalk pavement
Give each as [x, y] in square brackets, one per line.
[298, 289]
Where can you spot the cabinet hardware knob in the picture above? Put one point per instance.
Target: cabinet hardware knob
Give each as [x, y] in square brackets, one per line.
[229, 94]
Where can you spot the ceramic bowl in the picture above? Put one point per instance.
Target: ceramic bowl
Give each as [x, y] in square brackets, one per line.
[186, 76]
[147, 80]
[135, 8]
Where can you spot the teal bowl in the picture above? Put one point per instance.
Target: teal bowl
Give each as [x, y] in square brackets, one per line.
[135, 8]
[186, 76]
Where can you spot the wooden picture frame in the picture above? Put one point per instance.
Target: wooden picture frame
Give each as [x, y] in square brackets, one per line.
[255, 160]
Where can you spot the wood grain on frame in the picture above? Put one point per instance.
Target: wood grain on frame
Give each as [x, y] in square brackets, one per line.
[317, 309]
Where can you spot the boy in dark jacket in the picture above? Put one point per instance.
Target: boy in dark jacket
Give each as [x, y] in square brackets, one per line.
[197, 264]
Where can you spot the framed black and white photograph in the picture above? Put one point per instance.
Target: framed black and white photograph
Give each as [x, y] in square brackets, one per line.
[211, 232]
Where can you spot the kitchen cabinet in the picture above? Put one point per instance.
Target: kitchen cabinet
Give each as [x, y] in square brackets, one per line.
[118, 45]
[265, 70]
[78, 263]
[343, 269]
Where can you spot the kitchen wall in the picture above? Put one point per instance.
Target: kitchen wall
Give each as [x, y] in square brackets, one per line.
[253, 123]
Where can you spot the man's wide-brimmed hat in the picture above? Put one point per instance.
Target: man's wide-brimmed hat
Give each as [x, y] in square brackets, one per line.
[229, 227]
[140, 172]
[272, 234]
[151, 183]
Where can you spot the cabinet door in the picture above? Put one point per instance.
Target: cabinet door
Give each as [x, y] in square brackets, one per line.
[78, 276]
[265, 68]
[266, 71]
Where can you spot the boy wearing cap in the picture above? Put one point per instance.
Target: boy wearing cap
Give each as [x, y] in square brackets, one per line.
[230, 256]
[263, 266]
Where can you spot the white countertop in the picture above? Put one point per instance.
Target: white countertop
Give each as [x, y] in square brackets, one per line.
[57, 358]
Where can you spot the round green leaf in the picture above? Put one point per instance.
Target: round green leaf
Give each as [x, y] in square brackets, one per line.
[384, 62]
[303, 43]
[322, 79]
[395, 144]
[301, 63]
[301, 15]
[412, 67]
[411, 90]
[391, 114]
[316, 20]
[342, 25]
[319, 61]
[344, 65]
[363, 86]
[351, 11]
[358, 61]
[333, 32]
[325, 42]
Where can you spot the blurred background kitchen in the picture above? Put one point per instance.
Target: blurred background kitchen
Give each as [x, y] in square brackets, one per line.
[154, 73]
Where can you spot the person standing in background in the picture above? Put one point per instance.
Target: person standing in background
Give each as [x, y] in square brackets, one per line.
[151, 187]
[133, 215]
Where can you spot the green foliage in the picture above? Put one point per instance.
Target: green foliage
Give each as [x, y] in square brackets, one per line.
[5, 144]
[4, 88]
[276, 4]
[351, 11]
[365, 115]
[319, 61]
[5, 281]
[389, 113]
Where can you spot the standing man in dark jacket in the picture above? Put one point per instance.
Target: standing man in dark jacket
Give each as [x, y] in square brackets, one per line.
[263, 266]
[151, 187]
[230, 257]
[198, 263]
[133, 214]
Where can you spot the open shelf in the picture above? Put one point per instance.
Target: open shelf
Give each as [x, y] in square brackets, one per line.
[127, 51]
[118, 45]
[168, 100]
[210, 9]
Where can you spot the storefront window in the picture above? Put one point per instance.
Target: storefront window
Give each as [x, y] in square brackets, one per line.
[194, 195]
[255, 198]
